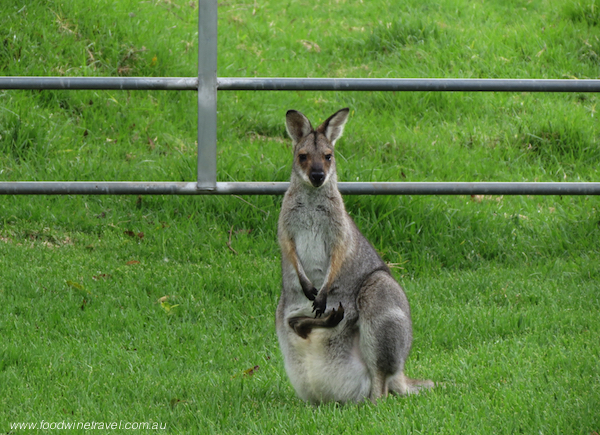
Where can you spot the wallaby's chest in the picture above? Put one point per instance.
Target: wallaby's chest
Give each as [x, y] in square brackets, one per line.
[314, 232]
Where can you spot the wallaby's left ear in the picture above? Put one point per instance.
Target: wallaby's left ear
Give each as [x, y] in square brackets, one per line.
[333, 127]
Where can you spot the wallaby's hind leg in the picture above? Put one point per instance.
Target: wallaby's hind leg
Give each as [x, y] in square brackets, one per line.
[385, 330]
[402, 385]
[304, 325]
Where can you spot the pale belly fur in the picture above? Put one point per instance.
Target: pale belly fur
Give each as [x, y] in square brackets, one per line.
[318, 376]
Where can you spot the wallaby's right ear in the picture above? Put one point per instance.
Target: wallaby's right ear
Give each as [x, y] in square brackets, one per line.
[297, 125]
[333, 127]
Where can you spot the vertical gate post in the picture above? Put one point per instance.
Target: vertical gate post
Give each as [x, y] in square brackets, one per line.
[207, 94]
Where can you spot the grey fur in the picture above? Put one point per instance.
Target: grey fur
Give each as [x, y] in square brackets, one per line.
[343, 322]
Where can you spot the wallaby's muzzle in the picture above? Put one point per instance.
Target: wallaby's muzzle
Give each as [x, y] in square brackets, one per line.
[317, 177]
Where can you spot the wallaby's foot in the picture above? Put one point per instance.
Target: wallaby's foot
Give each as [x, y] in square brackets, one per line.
[310, 293]
[304, 325]
[379, 388]
[320, 304]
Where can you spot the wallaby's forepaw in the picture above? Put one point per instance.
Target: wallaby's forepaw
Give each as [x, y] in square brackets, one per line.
[336, 316]
[320, 304]
[310, 293]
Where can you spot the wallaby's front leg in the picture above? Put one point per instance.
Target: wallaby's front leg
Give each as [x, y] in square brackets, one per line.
[289, 251]
[337, 259]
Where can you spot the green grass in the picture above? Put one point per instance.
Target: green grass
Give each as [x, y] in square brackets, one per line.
[505, 291]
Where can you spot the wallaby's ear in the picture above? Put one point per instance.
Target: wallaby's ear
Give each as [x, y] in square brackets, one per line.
[297, 125]
[333, 127]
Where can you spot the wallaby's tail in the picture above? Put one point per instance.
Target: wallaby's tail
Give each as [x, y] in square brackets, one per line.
[404, 385]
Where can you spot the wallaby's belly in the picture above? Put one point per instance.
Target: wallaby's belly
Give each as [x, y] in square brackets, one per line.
[320, 374]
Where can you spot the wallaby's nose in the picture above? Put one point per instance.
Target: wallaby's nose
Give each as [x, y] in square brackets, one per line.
[317, 178]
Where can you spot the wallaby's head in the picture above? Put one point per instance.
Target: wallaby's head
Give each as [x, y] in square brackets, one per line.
[314, 160]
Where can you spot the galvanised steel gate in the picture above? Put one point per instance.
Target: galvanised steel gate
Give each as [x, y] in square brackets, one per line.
[207, 84]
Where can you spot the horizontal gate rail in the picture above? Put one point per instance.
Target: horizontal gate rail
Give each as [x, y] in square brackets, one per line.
[302, 84]
[102, 83]
[279, 188]
[397, 84]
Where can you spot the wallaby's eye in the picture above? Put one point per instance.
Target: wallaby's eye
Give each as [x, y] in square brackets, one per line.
[328, 157]
[302, 157]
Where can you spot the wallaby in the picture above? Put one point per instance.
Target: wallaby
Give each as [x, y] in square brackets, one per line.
[357, 349]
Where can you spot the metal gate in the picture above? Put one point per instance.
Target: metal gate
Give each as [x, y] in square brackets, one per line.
[207, 84]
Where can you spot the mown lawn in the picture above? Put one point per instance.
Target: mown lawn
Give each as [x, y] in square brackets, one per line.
[160, 309]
